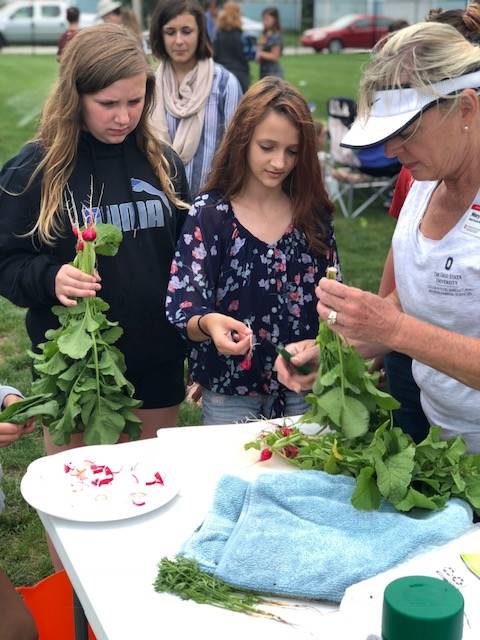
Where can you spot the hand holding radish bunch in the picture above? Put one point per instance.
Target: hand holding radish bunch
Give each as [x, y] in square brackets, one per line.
[71, 283]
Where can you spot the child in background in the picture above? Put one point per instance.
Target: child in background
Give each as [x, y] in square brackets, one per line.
[16, 623]
[73, 19]
[254, 245]
[270, 44]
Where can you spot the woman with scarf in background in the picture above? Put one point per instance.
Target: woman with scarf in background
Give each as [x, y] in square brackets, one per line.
[196, 98]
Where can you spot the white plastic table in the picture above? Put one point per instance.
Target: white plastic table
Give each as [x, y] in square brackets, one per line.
[113, 565]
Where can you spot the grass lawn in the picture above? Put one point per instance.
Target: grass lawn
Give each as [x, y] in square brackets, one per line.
[24, 83]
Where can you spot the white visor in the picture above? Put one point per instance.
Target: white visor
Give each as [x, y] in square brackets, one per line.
[394, 109]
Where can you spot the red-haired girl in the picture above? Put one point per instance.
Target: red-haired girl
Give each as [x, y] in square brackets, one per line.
[254, 244]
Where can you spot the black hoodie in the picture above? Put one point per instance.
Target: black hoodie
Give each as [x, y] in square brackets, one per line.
[134, 282]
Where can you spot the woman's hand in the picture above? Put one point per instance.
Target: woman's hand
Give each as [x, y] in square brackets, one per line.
[361, 316]
[10, 432]
[306, 352]
[71, 283]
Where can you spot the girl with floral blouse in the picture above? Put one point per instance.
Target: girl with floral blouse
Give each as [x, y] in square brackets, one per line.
[254, 245]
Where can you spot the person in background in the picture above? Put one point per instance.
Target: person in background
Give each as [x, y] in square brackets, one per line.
[255, 242]
[325, 159]
[94, 144]
[270, 44]
[228, 46]
[16, 622]
[9, 432]
[130, 21]
[73, 19]
[211, 11]
[419, 96]
[195, 97]
[321, 134]
[398, 366]
[396, 25]
[113, 12]
[110, 11]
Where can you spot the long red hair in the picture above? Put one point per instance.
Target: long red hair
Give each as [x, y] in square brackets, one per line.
[304, 185]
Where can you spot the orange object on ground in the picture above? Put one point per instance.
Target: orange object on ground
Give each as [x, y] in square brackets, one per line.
[51, 604]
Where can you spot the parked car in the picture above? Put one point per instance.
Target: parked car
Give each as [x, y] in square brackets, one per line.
[361, 31]
[37, 21]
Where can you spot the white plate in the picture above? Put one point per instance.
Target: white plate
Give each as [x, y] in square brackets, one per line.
[66, 485]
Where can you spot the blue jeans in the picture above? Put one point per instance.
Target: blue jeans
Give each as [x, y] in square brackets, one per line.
[410, 417]
[219, 408]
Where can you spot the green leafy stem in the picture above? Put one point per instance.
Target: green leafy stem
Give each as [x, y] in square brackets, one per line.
[386, 464]
[184, 578]
[80, 385]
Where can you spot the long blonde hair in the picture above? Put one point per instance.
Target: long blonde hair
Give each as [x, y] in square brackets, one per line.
[96, 58]
[419, 55]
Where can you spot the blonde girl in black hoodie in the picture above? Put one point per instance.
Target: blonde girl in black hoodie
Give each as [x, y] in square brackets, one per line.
[94, 143]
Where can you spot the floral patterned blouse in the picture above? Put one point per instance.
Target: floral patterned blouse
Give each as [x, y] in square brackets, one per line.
[219, 266]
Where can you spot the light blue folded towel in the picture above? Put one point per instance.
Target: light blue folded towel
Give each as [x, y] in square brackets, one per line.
[297, 534]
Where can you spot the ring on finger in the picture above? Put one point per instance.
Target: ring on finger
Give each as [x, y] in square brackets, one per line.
[332, 317]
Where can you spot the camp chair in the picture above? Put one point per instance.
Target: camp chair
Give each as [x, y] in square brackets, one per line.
[51, 603]
[367, 171]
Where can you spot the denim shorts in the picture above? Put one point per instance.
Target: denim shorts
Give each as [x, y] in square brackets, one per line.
[219, 408]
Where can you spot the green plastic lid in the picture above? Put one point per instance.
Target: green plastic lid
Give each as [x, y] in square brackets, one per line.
[422, 608]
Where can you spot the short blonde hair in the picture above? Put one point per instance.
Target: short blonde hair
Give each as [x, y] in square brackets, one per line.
[418, 55]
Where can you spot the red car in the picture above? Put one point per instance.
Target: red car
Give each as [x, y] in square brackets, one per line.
[360, 31]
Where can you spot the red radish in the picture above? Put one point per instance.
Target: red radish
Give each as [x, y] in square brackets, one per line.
[265, 454]
[246, 363]
[75, 231]
[79, 246]
[286, 431]
[89, 234]
[291, 451]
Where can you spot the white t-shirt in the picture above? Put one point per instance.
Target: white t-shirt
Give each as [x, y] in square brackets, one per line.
[438, 281]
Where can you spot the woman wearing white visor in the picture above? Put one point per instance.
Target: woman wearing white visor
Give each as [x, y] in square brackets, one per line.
[419, 96]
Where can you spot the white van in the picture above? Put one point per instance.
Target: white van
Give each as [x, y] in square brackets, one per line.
[37, 21]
